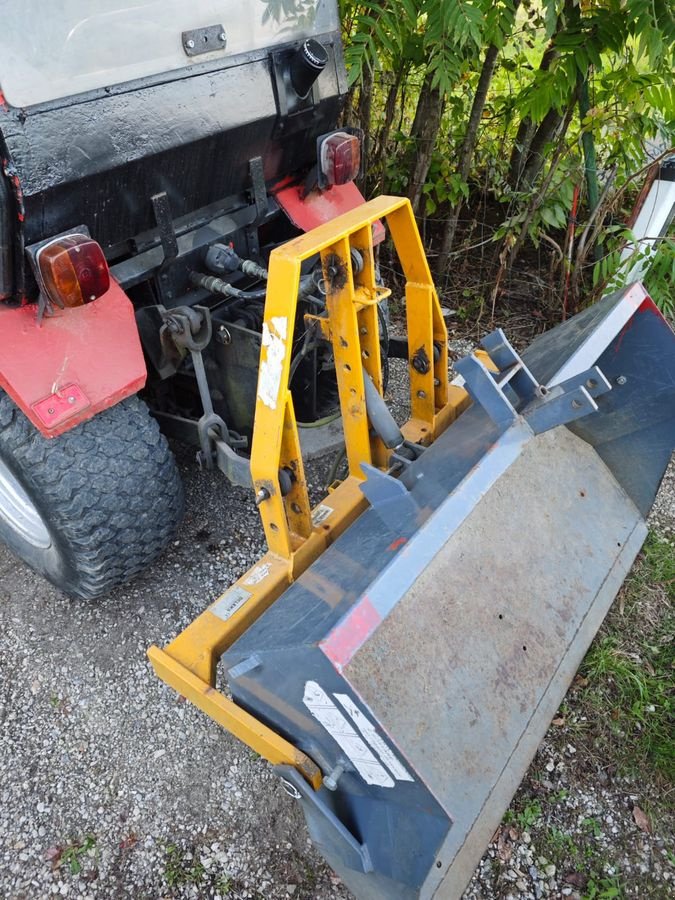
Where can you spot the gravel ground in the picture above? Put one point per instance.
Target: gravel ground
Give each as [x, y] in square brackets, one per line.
[110, 786]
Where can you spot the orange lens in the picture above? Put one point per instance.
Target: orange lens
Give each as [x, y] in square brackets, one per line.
[74, 270]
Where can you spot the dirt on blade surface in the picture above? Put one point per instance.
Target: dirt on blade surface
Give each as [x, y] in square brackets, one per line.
[112, 787]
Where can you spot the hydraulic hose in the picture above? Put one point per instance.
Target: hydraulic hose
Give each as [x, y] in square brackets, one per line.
[218, 286]
[381, 419]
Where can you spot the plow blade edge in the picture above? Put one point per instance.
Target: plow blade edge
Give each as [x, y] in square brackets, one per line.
[420, 659]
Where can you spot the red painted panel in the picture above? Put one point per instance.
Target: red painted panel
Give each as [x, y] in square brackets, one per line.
[74, 364]
[350, 633]
[319, 207]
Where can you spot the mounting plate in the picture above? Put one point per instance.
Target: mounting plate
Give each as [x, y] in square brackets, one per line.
[204, 40]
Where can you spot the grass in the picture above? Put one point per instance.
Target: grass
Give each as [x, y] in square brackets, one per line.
[604, 888]
[181, 868]
[527, 817]
[73, 855]
[630, 669]
[620, 717]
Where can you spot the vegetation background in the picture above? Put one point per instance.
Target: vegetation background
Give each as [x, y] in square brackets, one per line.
[522, 131]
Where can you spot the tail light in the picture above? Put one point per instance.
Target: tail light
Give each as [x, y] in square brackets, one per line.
[73, 270]
[339, 158]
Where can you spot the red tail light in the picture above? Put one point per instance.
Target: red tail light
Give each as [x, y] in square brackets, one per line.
[73, 270]
[340, 158]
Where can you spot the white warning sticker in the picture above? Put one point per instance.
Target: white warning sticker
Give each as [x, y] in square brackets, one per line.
[326, 712]
[320, 514]
[367, 729]
[274, 342]
[258, 574]
[230, 602]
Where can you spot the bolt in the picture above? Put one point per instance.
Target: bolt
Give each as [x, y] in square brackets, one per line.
[437, 382]
[422, 395]
[621, 380]
[363, 330]
[222, 36]
[51, 411]
[330, 781]
[71, 399]
[190, 44]
[262, 495]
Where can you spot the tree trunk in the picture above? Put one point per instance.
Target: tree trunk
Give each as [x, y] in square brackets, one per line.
[424, 131]
[588, 144]
[389, 113]
[467, 153]
[538, 198]
[364, 112]
[533, 163]
[527, 128]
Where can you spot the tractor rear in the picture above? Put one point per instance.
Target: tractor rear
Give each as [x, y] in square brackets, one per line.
[182, 247]
[151, 159]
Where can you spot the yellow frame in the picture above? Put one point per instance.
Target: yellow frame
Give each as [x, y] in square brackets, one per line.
[295, 534]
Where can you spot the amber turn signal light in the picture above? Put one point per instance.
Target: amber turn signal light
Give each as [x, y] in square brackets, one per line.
[73, 270]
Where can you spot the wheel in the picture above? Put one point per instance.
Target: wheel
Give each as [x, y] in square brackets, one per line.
[94, 507]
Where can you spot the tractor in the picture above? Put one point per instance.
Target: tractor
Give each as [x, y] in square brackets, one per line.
[184, 252]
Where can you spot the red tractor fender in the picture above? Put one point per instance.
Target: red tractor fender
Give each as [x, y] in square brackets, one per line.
[74, 363]
[308, 211]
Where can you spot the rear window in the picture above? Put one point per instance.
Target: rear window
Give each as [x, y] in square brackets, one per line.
[50, 50]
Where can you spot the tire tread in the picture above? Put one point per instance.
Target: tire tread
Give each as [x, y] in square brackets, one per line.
[110, 488]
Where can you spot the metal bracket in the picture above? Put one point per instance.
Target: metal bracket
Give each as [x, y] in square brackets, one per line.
[211, 429]
[512, 370]
[190, 328]
[490, 388]
[400, 459]
[259, 189]
[567, 401]
[513, 391]
[237, 469]
[164, 220]
[204, 40]
[324, 826]
[388, 496]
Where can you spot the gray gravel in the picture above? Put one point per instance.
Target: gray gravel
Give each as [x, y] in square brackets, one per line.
[662, 517]
[110, 786]
[92, 744]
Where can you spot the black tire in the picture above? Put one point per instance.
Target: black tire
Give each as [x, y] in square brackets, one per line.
[108, 493]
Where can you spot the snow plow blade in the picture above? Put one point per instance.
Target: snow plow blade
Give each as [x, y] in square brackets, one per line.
[402, 678]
